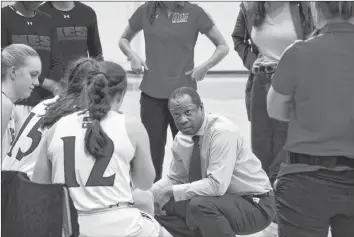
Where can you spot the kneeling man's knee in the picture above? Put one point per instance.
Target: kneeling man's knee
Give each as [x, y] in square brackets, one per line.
[198, 205]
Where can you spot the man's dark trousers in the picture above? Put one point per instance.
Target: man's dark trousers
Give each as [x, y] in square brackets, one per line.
[156, 117]
[222, 216]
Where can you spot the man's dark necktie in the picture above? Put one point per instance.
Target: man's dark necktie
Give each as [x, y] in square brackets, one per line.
[195, 172]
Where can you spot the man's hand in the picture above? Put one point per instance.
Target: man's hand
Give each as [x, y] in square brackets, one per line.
[161, 196]
[197, 73]
[137, 64]
[159, 206]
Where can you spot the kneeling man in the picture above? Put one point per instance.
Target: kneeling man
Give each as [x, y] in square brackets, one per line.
[215, 185]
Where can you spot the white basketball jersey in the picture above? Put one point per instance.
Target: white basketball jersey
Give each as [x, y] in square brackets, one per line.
[93, 183]
[22, 155]
[9, 136]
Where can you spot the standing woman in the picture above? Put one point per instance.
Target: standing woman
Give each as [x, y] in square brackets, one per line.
[262, 32]
[171, 30]
[313, 90]
[20, 68]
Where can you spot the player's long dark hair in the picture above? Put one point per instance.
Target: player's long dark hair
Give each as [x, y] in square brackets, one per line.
[68, 102]
[101, 91]
[91, 87]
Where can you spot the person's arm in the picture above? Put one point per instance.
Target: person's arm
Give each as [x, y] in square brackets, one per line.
[177, 175]
[6, 111]
[52, 83]
[5, 41]
[42, 172]
[242, 45]
[124, 42]
[134, 27]
[142, 168]
[221, 50]
[93, 40]
[222, 160]
[278, 105]
[205, 25]
[281, 93]
[162, 190]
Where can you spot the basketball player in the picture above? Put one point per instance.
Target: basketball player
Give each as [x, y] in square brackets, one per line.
[77, 29]
[22, 155]
[21, 23]
[20, 68]
[98, 152]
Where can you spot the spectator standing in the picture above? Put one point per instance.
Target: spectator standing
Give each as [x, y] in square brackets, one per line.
[262, 32]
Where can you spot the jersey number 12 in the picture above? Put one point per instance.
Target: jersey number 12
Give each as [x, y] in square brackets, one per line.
[96, 176]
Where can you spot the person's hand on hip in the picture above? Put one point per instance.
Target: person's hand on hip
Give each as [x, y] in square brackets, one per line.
[197, 73]
[137, 64]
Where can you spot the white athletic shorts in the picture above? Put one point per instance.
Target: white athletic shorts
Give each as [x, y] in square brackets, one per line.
[118, 222]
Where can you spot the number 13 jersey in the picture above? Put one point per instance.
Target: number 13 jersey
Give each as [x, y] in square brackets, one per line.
[93, 182]
[23, 153]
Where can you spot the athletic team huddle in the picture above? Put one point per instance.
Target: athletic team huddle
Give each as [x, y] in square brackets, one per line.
[61, 119]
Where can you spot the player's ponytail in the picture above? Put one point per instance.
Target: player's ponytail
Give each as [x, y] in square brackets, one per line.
[99, 105]
[71, 99]
[105, 86]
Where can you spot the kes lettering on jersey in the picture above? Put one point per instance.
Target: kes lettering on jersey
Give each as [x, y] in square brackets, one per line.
[35, 41]
[72, 33]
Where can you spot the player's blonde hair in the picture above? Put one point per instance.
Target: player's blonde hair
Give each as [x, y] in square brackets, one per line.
[15, 55]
